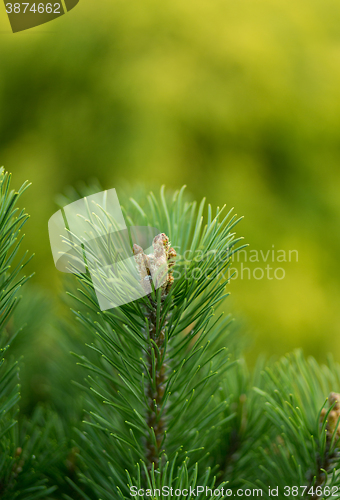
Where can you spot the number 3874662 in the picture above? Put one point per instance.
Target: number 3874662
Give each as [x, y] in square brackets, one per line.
[41, 8]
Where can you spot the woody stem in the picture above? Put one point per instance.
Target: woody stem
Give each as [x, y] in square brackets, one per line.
[155, 392]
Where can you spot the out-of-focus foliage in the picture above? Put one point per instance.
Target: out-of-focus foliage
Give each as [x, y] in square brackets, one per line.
[29, 450]
[239, 100]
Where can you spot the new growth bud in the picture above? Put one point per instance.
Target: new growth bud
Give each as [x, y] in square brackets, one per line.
[332, 425]
[156, 266]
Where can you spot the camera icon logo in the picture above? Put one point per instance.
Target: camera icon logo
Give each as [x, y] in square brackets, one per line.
[90, 235]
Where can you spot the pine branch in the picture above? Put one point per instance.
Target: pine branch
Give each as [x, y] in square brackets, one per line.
[302, 440]
[156, 361]
[329, 455]
[31, 449]
[160, 362]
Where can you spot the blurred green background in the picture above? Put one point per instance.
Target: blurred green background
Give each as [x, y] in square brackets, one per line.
[238, 100]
